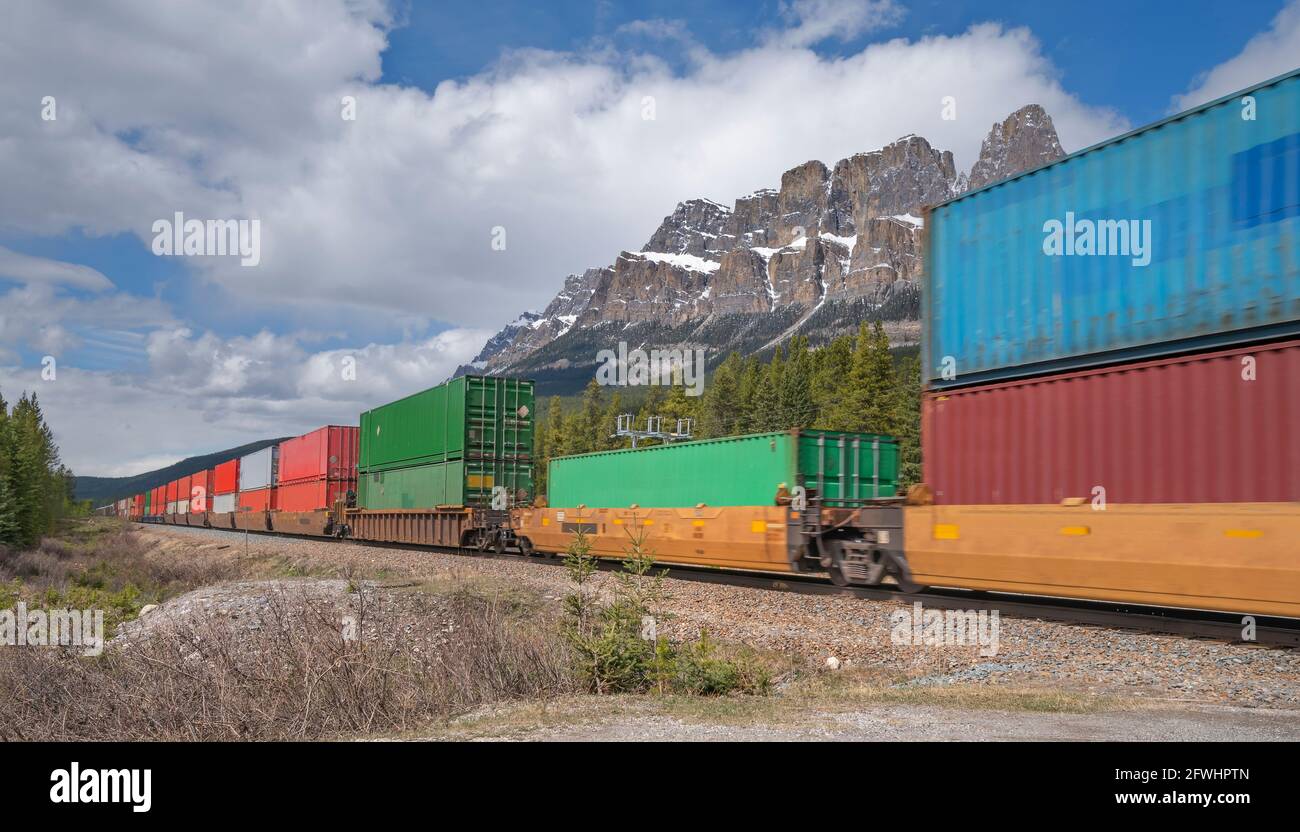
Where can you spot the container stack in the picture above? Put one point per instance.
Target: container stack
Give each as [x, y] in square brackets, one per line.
[450, 445]
[225, 487]
[200, 495]
[1119, 327]
[317, 468]
[841, 468]
[182, 498]
[257, 473]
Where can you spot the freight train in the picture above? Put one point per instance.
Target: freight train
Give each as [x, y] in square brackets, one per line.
[1113, 419]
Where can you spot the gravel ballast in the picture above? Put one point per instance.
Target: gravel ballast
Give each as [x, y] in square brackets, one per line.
[855, 632]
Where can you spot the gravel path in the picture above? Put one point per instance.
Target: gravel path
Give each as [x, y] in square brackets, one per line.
[914, 723]
[857, 632]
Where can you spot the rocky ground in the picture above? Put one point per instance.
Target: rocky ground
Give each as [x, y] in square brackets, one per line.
[1109, 680]
[638, 721]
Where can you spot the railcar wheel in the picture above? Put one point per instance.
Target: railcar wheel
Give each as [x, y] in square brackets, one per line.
[834, 553]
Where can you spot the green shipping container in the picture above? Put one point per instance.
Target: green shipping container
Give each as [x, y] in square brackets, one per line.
[732, 471]
[148, 499]
[461, 482]
[471, 417]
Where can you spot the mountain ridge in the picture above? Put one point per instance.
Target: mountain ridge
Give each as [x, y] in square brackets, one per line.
[106, 489]
[830, 247]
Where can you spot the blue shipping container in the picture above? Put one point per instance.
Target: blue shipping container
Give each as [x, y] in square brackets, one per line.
[1182, 235]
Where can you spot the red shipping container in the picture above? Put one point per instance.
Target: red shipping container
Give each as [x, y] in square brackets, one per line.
[201, 492]
[171, 492]
[326, 453]
[226, 477]
[259, 499]
[183, 495]
[311, 494]
[137, 506]
[1212, 427]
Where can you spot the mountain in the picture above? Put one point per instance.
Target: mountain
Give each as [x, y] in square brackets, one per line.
[829, 248]
[103, 490]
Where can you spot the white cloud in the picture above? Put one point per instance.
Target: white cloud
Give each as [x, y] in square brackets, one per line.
[41, 316]
[1272, 52]
[202, 393]
[237, 113]
[25, 268]
[813, 21]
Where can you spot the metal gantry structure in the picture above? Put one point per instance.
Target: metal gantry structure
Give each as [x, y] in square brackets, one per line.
[626, 426]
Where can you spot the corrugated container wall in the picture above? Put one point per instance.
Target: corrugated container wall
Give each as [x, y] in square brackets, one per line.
[172, 488]
[1213, 427]
[311, 495]
[257, 499]
[326, 453]
[258, 470]
[464, 418]
[1208, 250]
[732, 471]
[224, 503]
[226, 477]
[183, 495]
[461, 482]
[201, 492]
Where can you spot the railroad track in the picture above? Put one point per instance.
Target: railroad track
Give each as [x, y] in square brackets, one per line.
[1269, 630]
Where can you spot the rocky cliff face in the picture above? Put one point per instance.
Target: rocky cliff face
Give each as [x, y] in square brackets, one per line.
[1023, 142]
[830, 246]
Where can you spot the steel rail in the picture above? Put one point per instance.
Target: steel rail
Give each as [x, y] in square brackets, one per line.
[1270, 631]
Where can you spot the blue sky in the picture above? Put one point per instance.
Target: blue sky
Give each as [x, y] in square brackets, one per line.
[1133, 55]
[523, 116]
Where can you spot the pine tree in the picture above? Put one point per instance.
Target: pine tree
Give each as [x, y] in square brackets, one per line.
[34, 486]
[8, 504]
[881, 382]
[765, 413]
[677, 405]
[652, 405]
[794, 401]
[609, 423]
[751, 380]
[866, 402]
[833, 366]
[907, 421]
[717, 407]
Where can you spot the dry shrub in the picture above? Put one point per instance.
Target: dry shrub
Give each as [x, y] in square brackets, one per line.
[115, 568]
[291, 674]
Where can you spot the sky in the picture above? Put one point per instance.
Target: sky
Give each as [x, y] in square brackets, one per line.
[422, 172]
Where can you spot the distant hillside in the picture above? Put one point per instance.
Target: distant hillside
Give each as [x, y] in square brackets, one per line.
[102, 490]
